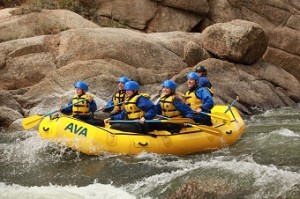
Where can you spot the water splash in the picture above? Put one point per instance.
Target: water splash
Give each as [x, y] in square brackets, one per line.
[93, 191]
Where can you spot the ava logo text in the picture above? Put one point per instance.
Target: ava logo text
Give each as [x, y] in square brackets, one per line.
[78, 130]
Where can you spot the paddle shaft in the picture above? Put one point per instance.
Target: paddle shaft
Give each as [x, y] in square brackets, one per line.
[171, 120]
[201, 127]
[111, 106]
[161, 116]
[33, 120]
[204, 113]
[221, 116]
[232, 103]
[64, 107]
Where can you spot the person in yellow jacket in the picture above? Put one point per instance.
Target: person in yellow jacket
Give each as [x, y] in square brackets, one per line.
[199, 99]
[171, 105]
[115, 104]
[137, 107]
[85, 109]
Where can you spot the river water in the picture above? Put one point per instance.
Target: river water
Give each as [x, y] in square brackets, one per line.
[264, 163]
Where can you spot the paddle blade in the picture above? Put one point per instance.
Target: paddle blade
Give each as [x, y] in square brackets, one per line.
[207, 129]
[31, 121]
[221, 116]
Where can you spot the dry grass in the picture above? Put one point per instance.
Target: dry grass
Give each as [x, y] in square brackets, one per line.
[82, 7]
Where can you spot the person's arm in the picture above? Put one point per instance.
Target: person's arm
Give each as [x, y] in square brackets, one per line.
[109, 106]
[92, 106]
[204, 82]
[147, 106]
[158, 108]
[119, 116]
[183, 108]
[67, 110]
[207, 101]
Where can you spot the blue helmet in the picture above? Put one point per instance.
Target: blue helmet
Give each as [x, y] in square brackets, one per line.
[131, 85]
[123, 79]
[169, 84]
[193, 75]
[82, 85]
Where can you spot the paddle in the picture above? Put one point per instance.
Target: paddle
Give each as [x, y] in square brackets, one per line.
[171, 120]
[34, 120]
[234, 101]
[111, 106]
[201, 127]
[206, 128]
[222, 116]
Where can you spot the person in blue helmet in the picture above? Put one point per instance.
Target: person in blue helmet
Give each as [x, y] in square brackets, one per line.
[136, 107]
[171, 105]
[203, 79]
[199, 99]
[85, 109]
[115, 104]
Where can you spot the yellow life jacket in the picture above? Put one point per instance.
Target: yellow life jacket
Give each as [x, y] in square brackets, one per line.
[119, 97]
[167, 107]
[192, 100]
[81, 108]
[133, 112]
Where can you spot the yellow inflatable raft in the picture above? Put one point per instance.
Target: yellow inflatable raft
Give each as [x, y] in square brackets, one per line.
[93, 140]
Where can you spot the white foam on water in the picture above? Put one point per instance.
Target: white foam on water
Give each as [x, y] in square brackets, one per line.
[282, 111]
[25, 150]
[286, 133]
[265, 176]
[150, 183]
[93, 191]
[163, 161]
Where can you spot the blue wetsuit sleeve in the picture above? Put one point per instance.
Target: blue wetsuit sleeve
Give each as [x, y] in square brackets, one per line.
[109, 106]
[92, 106]
[207, 101]
[183, 108]
[119, 116]
[147, 106]
[158, 108]
[67, 110]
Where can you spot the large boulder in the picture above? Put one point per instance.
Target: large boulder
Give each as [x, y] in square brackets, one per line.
[152, 15]
[199, 7]
[280, 19]
[237, 41]
[25, 62]
[16, 23]
[168, 19]
[284, 49]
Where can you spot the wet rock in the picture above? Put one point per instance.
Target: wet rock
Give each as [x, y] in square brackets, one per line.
[206, 188]
[8, 100]
[15, 126]
[8, 116]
